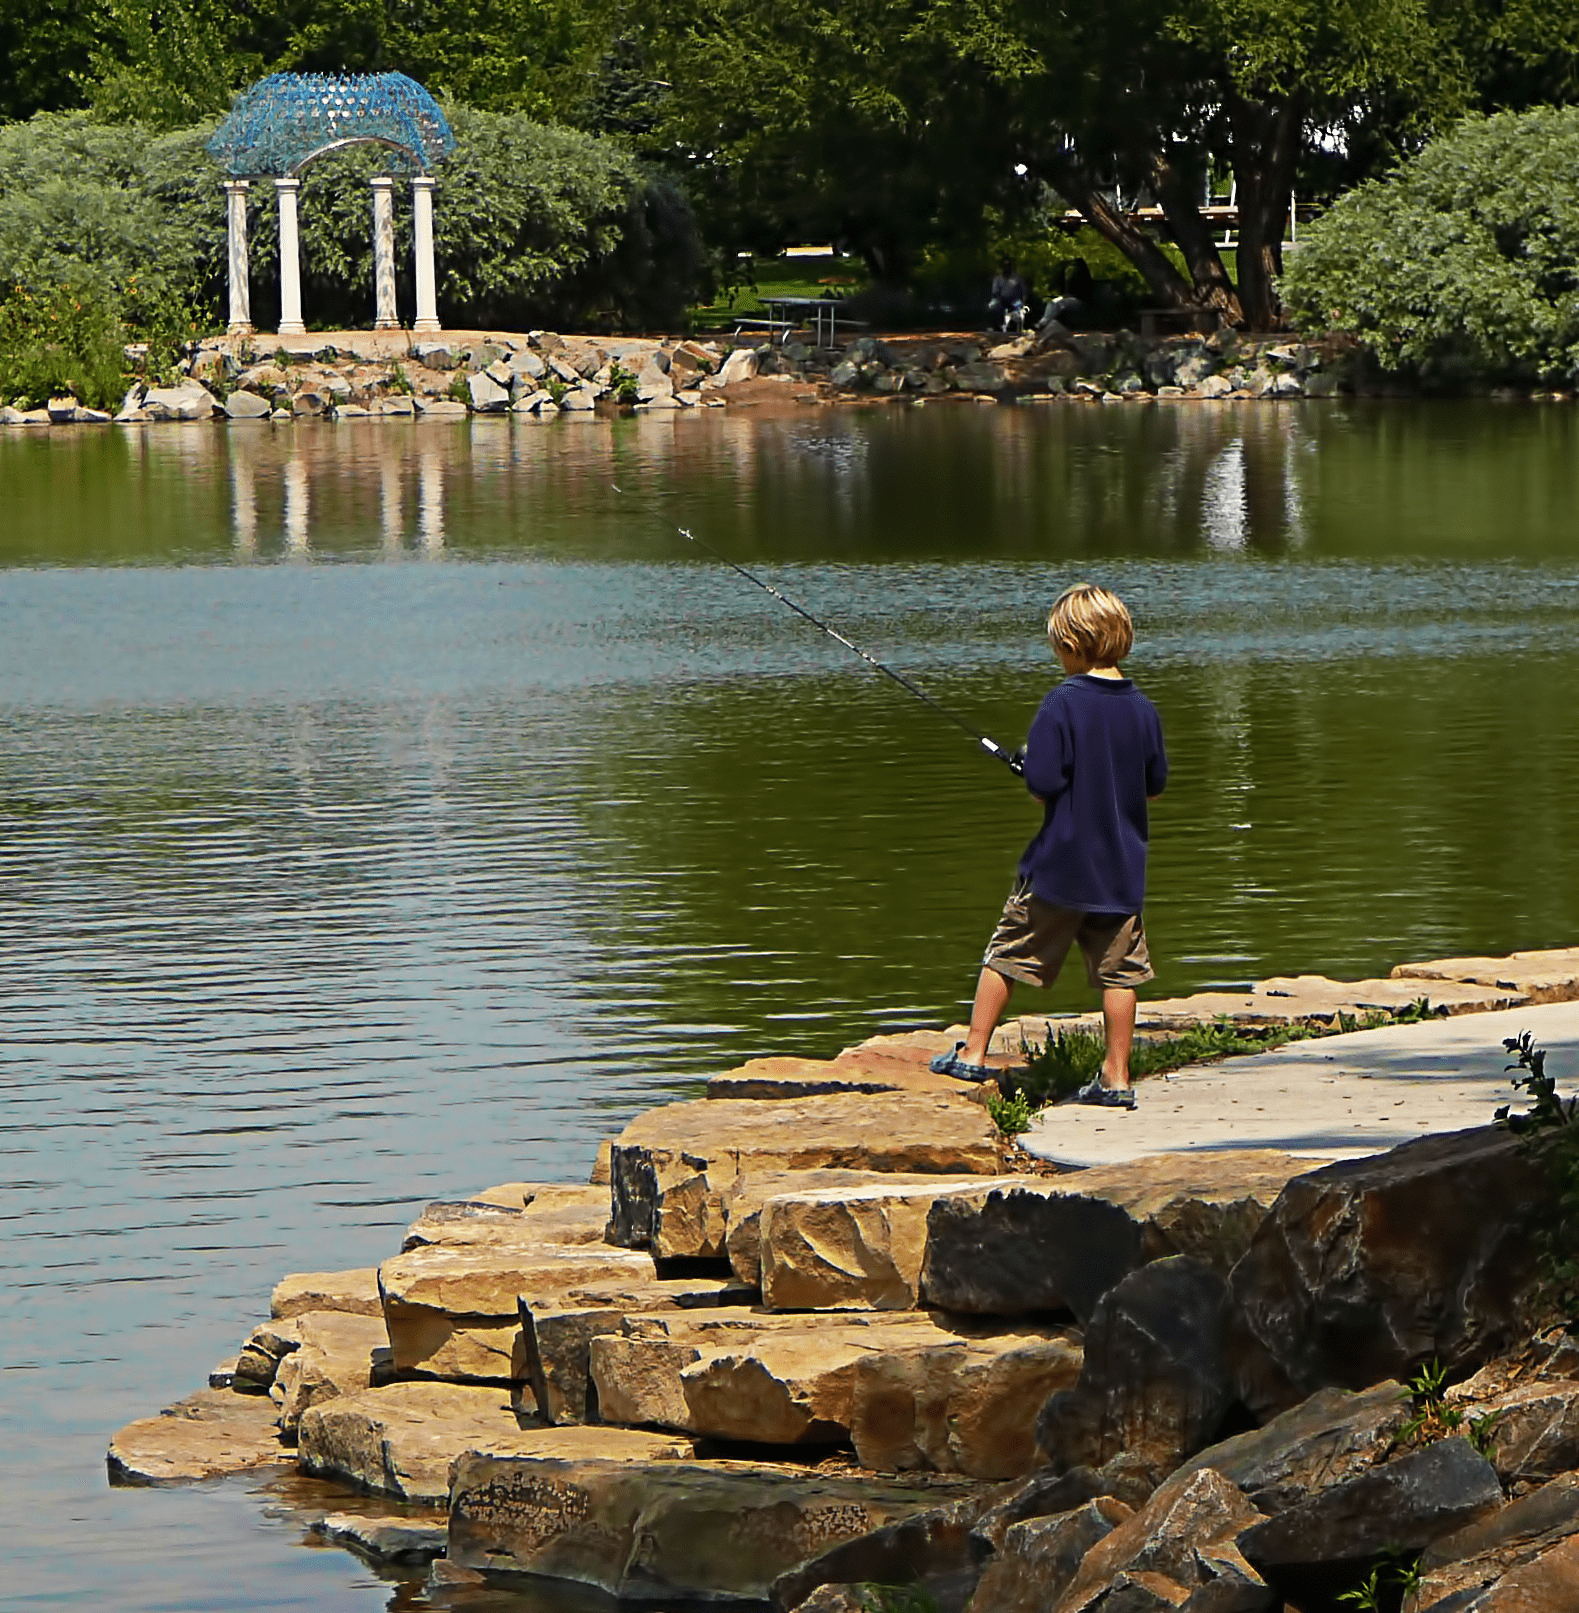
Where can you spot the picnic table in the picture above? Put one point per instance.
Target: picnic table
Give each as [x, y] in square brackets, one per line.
[823, 312]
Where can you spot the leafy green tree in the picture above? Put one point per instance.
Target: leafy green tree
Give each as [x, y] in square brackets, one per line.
[46, 49]
[168, 62]
[1464, 265]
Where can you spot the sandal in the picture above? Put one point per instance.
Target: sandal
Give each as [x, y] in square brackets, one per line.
[1105, 1097]
[953, 1064]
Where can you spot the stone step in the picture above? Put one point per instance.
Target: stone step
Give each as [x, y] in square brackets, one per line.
[454, 1312]
[205, 1436]
[401, 1439]
[908, 1390]
[694, 1531]
[1541, 977]
[672, 1166]
[521, 1214]
[353, 1291]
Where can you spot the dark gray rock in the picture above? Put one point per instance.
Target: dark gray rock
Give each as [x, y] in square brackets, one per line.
[1040, 1557]
[435, 355]
[932, 1550]
[1153, 1388]
[1404, 1504]
[1042, 1497]
[1177, 1552]
[1330, 1438]
[1513, 1547]
[1535, 1433]
[1365, 1268]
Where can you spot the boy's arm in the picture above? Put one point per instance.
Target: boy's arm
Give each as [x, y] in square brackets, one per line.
[1047, 755]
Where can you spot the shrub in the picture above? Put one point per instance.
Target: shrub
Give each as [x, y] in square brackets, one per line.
[1464, 265]
[61, 339]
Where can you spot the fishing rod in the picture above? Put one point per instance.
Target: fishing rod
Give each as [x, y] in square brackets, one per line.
[1014, 760]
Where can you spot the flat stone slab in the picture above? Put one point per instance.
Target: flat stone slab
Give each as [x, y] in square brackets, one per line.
[692, 1531]
[205, 1436]
[779, 1078]
[1315, 1000]
[353, 1291]
[520, 1215]
[454, 1312]
[401, 1440]
[673, 1165]
[1338, 1097]
[1542, 977]
[386, 1540]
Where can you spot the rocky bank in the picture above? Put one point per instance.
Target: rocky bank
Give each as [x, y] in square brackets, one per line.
[350, 375]
[826, 1332]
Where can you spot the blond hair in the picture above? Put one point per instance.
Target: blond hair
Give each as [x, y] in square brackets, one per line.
[1092, 624]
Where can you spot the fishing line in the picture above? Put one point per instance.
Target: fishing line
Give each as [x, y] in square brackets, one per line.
[1013, 760]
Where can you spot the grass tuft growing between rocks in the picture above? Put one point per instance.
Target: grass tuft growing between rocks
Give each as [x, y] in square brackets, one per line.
[1059, 1068]
[1551, 1126]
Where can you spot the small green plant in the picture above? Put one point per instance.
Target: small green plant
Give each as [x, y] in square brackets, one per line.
[458, 389]
[555, 388]
[59, 340]
[1367, 1595]
[1388, 1583]
[623, 384]
[1010, 1115]
[282, 359]
[897, 1599]
[1433, 1418]
[399, 381]
[1481, 1433]
[1062, 1066]
[1550, 1127]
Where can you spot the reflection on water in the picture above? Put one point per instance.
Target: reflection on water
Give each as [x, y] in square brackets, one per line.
[330, 885]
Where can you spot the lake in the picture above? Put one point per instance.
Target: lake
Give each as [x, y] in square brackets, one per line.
[389, 810]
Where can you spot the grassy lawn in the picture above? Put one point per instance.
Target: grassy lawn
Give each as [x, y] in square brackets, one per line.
[780, 277]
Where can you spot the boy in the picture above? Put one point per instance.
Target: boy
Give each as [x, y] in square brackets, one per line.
[1093, 759]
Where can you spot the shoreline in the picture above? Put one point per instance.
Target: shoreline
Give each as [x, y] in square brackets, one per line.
[346, 375]
[832, 1305]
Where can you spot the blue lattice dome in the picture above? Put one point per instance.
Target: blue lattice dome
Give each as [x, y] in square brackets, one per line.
[286, 120]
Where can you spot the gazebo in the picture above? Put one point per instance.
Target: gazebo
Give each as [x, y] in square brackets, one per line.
[289, 120]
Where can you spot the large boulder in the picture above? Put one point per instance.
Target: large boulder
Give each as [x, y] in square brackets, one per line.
[1178, 1551]
[1522, 1559]
[557, 1333]
[845, 1248]
[1367, 1267]
[744, 1197]
[1039, 1558]
[692, 1531]
[966, 1406]
[205, 1436]
[188, 401]
[763, 1380]
[1059, 1243]
[672, 1166]
[455, 1312]
[1403, 1505]
[1154, 1388]
[1330, 1438]
[402, 1439]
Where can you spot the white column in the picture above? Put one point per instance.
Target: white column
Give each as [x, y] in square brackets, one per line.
[384, 254]
[240, 267]
[290, 260]
[422, 249]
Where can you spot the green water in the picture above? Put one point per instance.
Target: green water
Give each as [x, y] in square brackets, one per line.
[387, 810]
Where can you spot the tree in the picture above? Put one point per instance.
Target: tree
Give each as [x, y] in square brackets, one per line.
[46, 50]
[1465, 264]
[890, 122]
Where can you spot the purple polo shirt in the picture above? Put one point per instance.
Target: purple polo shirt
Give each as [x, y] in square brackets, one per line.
[1094, 755]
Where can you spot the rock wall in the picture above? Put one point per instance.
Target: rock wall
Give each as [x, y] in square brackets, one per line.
[1174, 1383]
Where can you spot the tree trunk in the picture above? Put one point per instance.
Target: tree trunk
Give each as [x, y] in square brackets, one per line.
[1267, 138]
[1175, 191]
[1070, 179]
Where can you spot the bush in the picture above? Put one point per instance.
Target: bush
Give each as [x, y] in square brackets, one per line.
[1464, 265]
[533, 225]
[61, 339]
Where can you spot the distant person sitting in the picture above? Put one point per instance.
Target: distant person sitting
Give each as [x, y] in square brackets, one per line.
[1007, 306]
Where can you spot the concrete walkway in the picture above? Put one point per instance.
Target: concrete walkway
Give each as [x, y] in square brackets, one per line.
[1335, 1097]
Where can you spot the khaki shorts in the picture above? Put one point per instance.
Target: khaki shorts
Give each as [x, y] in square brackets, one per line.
[1033, 939]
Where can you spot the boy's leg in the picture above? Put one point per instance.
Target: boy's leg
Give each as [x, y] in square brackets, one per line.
[1118, 1021]
[993, 992]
